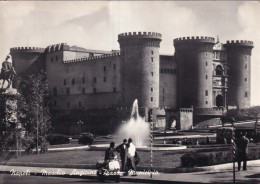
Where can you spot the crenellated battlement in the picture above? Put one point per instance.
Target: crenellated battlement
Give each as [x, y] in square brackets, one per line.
[240, 43]
[91, 58]
[140, 35]
[194, 39]
[57, 47]
[27, 49]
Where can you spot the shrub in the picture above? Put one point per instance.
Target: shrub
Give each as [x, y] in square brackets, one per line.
[205, 158]
[58, 139]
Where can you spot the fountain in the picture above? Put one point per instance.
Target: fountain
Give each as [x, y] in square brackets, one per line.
[139, 130]
[135, 127]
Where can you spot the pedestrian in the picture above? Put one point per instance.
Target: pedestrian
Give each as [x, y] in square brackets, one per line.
[122, 150]
[242, 150]
[130, 156]
[109, 154]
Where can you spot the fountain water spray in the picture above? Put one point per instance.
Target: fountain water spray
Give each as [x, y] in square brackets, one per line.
[135, 127]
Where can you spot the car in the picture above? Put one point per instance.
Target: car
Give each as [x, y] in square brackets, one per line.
[86, 138]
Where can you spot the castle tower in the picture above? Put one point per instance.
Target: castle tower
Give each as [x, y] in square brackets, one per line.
[194, 82]
[239, 62]
[140, 68]
[24, 57]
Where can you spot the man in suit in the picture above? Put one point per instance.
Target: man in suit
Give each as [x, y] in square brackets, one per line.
[122, 150]
[242, 146]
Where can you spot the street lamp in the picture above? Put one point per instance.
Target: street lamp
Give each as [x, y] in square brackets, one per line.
[80, 123]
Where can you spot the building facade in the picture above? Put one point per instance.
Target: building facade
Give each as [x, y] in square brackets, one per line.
[202, 74]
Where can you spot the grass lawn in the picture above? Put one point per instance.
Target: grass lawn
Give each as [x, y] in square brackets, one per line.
[160, 158]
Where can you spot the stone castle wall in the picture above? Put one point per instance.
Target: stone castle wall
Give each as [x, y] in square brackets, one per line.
[195, 59]
[239, 60]
[140, 68]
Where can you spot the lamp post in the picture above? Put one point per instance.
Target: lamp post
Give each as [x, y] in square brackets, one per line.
[80, 123]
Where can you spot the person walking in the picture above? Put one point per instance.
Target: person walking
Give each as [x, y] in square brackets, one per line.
[122, 150]
[242, 148]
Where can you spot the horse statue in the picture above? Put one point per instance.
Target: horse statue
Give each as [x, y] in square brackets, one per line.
[7, 72]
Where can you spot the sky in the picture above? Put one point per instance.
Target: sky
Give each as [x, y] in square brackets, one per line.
[96, 24]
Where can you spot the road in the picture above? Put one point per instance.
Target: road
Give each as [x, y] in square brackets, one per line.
[8, 179]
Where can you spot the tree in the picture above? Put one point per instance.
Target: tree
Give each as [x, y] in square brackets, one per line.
[34, 89]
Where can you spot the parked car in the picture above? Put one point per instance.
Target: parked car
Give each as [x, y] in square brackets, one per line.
[86, 138]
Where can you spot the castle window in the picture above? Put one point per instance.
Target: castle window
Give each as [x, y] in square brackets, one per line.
[95, 79]
[246, 79]
[151, 99]
[206, 54]
[219, 70]
[206, 76]
[68, 91]
[94, 90]
[65, 82]
[206, 63]
[56, 58]
[245, 66]
[73, 81]
[114, 89]
[206, 102]
[152, 73]
[68, 104]
[152, 59]
[54, 104]
[80, 105]
[54, 91]
[105, 69]
[105, 79]
[151, 89]
[83, 90]
[206, 93]
[114, 66]
[245, 94]
[152, 52]
[83, 80]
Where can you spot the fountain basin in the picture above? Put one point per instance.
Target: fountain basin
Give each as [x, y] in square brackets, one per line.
[156, 147]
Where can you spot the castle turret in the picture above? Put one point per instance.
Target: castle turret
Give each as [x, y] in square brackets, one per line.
[140, 68]
[24, 57]
[194, 82]
[239, 62]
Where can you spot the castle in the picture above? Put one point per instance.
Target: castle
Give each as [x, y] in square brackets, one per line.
[198, 82]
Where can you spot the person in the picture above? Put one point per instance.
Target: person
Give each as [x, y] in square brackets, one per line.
[109, 154]
[122, 150]
[131, 150]
[242, 146]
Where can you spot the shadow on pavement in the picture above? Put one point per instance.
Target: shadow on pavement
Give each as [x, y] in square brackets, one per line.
[254, 176]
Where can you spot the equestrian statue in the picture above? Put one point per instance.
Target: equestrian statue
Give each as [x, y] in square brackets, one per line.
[7, 72]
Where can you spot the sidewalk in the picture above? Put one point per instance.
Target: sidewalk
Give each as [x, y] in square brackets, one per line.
[213, 174]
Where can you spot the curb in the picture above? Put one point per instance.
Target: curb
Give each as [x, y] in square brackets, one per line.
[93, 166]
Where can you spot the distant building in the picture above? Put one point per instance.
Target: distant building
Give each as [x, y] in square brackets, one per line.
[203, 77]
